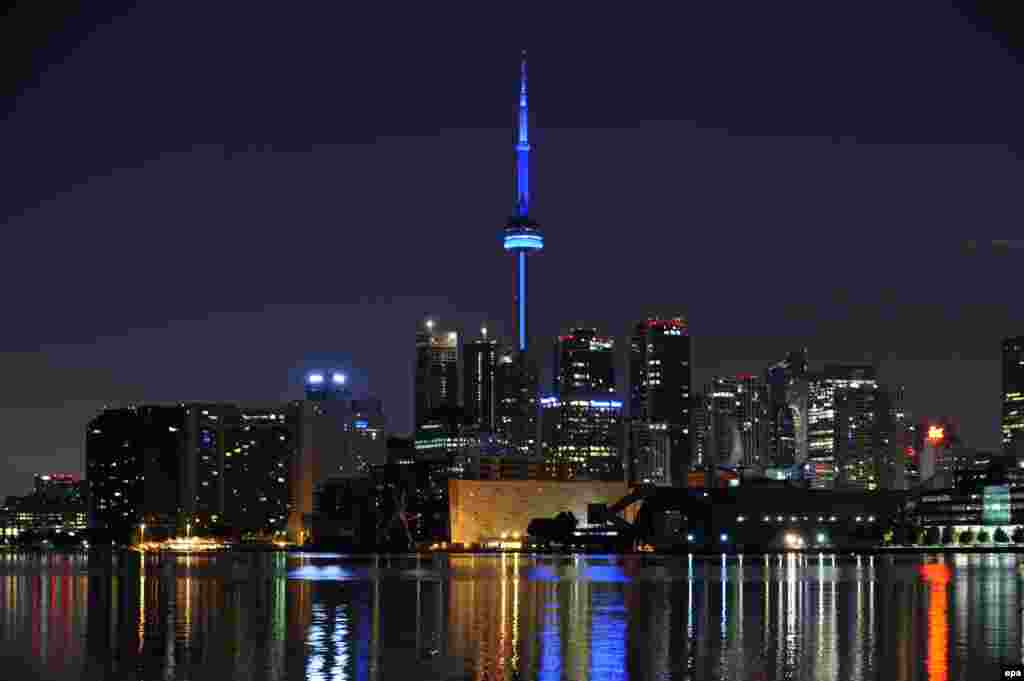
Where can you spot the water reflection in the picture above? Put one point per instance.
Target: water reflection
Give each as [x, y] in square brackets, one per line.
[512, 617]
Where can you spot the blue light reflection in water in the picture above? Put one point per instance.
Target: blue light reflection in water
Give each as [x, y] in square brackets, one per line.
[805, 618]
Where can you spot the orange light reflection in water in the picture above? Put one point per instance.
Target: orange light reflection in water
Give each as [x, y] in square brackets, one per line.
[937, 577]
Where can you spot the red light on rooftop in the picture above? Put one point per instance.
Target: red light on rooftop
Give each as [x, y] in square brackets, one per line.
[744, 377]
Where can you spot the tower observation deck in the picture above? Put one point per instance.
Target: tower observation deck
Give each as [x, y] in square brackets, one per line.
[522, 235]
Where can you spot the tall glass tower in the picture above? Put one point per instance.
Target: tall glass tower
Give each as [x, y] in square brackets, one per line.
[522, 235]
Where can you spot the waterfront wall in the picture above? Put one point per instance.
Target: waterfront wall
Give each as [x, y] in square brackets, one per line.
[481, 510]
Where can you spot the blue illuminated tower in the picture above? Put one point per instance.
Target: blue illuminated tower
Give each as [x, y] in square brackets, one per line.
[522, 235]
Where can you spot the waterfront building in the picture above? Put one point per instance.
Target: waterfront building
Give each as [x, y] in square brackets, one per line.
[55, 508]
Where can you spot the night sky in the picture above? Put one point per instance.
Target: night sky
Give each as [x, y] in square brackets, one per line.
[201, 201]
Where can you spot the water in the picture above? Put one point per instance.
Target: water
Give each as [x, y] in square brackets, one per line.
[317, 617]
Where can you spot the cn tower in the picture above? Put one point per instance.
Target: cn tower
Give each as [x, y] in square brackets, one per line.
[522, 235]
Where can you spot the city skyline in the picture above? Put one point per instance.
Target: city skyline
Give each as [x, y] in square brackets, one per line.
[878, 192]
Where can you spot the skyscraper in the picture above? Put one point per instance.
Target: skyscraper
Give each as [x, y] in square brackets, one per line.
[845, 427]
[1013, 397]
[736, 421]
[787, 434]
[516, 411]
[584, 363]
[437, 372]
[522, 235]
[480, 358]
[660, 397]
[581, 437]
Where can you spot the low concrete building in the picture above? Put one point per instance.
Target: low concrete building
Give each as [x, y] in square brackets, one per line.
[486, 512]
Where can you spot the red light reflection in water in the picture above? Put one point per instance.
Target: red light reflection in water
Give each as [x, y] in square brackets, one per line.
[937, 577]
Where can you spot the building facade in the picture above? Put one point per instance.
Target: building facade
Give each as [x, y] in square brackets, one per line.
[581, 437]
[1012, 426]
[584, 362]
[437, 371]
[736, 421]
[661, 402]
[480, 389]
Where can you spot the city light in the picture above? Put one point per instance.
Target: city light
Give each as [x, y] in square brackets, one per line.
[315, 379]
[794, 540]
[338, 378]
[936, 433]
[526, 241]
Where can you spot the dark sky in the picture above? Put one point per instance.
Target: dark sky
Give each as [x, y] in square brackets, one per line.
[199, 201]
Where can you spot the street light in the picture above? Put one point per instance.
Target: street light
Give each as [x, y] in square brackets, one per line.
[142, 534]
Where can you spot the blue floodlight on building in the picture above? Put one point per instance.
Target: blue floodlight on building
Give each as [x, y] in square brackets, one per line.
[522, 235]
[338, 378]
[315, 379]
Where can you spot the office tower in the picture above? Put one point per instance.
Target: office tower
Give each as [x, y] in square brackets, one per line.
[326, 385]
[660, 384]
[516, 411]
[650, 454]
[786, 387]
[698, 431]
[892, 439]
[437, 371]
[842, 417]
[581, 437]
[522, 235]
[1013, 397]
[737, 423]
[480, 358]
[584, 363]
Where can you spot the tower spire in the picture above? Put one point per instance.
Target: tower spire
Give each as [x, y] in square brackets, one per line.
[523, 147]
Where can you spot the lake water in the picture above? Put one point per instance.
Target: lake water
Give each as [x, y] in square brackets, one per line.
[312, 616]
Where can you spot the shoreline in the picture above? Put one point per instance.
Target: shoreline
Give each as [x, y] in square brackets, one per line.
[335, 551]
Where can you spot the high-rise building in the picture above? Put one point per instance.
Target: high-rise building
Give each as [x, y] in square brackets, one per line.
[787, 406]
[581, 437]
[650, 454]
[522, 235]
[137, 469]
[480, 359]
[848, 427]
[737, 423]
[437, 371]
[516, 412]
[254, 484]
[660, 397]
[584, 363]
[1013, 397]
